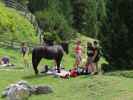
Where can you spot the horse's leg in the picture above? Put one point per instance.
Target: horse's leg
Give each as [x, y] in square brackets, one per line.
[35, 62]
[58, 61]
[58, 65]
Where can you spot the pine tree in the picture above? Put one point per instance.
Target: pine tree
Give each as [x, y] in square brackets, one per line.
[117, 40]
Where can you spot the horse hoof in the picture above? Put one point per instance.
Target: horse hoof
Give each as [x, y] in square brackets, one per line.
[36, 73]
[58, 71]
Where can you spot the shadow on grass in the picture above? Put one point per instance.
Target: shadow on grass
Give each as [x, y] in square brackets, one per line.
[123, 73]
[86, 76]
[18, 68]
[34, 76]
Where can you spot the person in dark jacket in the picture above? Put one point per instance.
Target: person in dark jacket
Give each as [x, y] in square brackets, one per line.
[96, 56]
[90, 53]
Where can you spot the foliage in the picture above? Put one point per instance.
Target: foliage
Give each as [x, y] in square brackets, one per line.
[52, 36]
[14, 27]
[89, 16]
[85, 16]
[117, 34]
[53, 22]
[37, 5]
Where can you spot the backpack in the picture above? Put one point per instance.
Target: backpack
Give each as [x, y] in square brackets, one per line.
[73, 73]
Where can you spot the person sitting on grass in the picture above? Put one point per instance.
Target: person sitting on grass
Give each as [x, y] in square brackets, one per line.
[5, 61]
[78, 54]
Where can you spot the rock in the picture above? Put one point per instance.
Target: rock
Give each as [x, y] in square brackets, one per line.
[18, 92]
[22, 91]
[41, 89]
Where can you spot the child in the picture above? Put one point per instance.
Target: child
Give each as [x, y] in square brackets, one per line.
[25, 53]
[78, 53]
[24, 49]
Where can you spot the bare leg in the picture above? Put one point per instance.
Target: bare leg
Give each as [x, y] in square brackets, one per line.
[96, 66]
[75, 64]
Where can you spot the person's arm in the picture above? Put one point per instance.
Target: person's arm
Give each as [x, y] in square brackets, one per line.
[95, 54]
[83, 49]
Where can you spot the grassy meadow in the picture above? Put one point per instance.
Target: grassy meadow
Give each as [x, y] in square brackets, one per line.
[110, 86]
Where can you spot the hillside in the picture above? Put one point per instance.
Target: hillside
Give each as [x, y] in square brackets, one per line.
[14, 27]
[111, 86]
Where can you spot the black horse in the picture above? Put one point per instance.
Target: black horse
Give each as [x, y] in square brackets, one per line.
[53, 52]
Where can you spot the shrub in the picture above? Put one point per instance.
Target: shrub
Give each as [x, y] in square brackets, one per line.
[14, 27]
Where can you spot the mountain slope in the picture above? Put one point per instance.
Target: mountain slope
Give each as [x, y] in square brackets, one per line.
[14, 27]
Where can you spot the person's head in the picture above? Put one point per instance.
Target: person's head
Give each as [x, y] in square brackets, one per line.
[78, 42]
[23, 44]
[89, 44]
[95, 43]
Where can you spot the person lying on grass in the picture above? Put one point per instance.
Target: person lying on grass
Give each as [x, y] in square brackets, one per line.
[5, 61]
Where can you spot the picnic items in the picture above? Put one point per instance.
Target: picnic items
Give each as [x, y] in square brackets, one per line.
[64, 73]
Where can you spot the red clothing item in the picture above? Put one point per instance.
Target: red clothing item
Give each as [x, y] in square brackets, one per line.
[78, 49]
[73, 73]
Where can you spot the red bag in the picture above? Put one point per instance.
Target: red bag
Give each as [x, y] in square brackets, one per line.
[73, 73]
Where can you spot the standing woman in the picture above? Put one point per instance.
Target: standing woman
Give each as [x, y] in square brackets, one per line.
[78, 54]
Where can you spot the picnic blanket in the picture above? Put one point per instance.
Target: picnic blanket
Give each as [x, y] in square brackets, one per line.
[63, 73]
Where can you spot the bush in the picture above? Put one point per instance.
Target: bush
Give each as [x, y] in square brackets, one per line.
[14, 27]
[52, 21]
[52, 36]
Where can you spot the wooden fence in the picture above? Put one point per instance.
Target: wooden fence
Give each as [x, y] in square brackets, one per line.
[15, 44]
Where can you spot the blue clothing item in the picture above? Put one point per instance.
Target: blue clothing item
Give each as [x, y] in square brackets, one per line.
[5, 60]
[24, 49]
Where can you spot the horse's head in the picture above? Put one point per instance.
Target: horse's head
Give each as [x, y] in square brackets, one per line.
[65, 46]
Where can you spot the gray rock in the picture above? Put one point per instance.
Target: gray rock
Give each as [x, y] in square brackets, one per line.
[22, 91]
[40, 89]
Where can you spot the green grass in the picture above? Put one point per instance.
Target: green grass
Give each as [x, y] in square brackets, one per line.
[15, 27]
[111, 86]
[83, 87]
